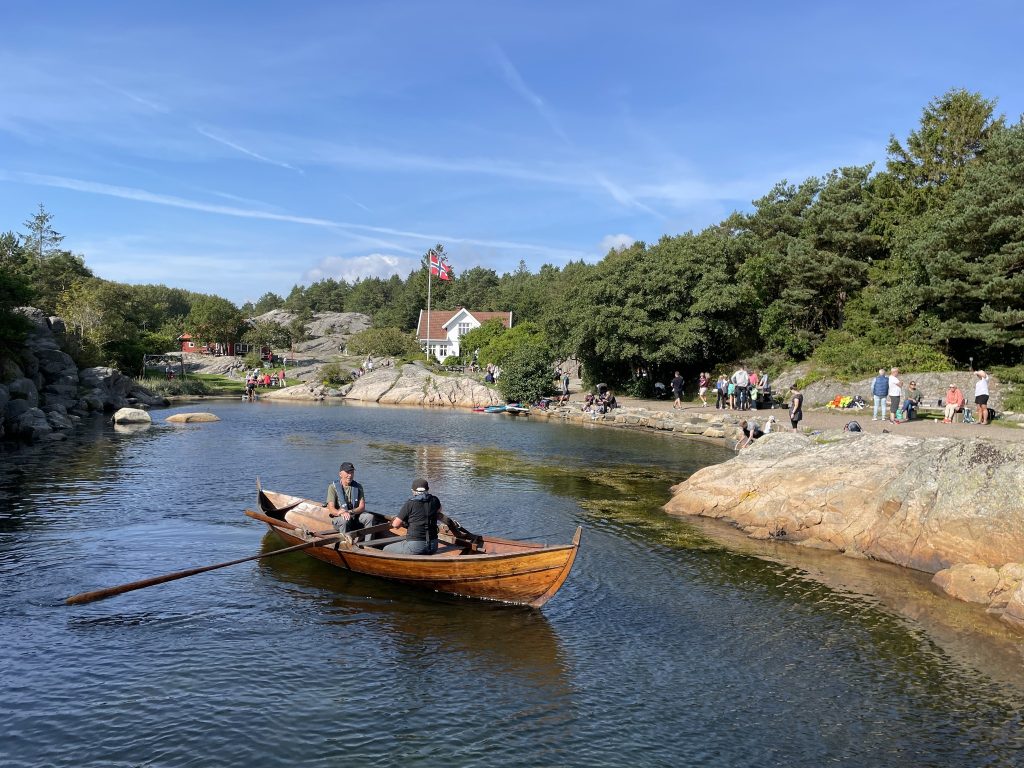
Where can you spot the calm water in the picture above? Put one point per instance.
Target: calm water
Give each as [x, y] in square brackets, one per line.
[662, 648]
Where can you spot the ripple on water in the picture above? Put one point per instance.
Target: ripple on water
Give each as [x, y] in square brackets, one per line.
[663, 647]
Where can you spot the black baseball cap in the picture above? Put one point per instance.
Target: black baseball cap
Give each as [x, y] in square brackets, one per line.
[347, 467]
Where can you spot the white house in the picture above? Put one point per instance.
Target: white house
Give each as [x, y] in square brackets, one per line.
[447, 326]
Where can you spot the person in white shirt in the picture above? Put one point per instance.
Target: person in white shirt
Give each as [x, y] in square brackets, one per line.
[895, 393]
[981, 396]
[742, 381]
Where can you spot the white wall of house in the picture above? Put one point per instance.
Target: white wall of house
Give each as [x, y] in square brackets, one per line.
[461, 324]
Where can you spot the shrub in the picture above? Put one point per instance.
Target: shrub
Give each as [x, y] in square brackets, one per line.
[335, 373]
[526, 376]
[1013, 394]
[174, 387]
[847, 356]
[383, 342]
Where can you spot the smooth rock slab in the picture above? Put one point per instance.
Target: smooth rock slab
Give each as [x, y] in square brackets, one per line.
[191, 418]
[132, 416]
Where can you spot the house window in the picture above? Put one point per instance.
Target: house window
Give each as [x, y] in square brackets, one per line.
[444, 351]
[463, 329]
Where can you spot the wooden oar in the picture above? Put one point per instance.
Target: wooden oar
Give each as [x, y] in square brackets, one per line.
[101, 594]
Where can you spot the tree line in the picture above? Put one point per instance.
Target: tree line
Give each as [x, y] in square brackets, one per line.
[918, 264]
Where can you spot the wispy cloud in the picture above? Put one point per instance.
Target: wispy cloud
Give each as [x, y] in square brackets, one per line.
[130, 193]
[621, 195]
[239, 148]
[134, 97]
[517, 84]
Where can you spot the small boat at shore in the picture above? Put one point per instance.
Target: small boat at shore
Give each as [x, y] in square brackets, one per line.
[495, 409]
[517, 410]
[486, 567]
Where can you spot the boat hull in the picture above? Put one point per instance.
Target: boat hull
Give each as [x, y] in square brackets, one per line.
[510, 571]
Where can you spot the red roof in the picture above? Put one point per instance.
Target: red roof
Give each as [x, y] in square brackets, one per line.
[439, 319]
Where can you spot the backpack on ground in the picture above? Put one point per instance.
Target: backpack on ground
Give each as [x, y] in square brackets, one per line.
[852, 426]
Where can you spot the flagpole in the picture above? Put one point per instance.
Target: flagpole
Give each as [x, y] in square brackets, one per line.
[428, 301]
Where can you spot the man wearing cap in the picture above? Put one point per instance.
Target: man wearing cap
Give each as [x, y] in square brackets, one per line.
[419, 516]
[347, 505]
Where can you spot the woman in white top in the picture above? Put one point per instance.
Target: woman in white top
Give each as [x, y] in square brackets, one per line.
[895, 393]
[981, 396]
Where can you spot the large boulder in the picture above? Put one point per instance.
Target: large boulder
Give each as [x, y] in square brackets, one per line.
[114, 390]
[191, 418]
[305, 391]
[926, 504]
[132, 416]
[936, 505]
[414, 385]
[24, 389]
[30, 425]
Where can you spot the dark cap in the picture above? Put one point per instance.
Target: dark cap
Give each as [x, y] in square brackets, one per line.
[347, 467]
[420, 484]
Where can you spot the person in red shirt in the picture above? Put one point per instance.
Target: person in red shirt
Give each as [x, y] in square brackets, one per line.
[954, 403]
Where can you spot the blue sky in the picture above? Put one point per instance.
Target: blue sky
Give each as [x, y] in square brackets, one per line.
[240, 148]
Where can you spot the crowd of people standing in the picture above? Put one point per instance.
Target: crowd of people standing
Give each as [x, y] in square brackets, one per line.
[741, 391]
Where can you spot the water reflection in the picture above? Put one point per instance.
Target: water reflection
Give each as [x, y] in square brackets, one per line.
[498, 637]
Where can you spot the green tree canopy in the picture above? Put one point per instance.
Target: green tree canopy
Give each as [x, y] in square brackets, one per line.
[213, 319]
[383, 342]
[266, 333]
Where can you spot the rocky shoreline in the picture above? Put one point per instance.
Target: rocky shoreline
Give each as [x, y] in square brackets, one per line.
[950, 507]
[45, 396]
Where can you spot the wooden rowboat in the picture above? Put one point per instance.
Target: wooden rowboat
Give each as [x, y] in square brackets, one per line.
[485, 567]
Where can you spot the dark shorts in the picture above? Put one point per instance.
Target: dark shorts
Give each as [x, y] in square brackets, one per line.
[795, 422]
[981, 400]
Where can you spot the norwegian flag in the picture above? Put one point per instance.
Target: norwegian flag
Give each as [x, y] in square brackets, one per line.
[439, 267]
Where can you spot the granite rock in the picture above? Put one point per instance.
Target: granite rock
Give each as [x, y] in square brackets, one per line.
[926, 504]
[191, 418]
[132, 416]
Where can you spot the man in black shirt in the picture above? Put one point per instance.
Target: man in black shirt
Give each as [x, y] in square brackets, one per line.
[419, 516]
[677, 390]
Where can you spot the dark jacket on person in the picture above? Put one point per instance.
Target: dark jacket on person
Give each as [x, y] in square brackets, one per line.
[880, 387]
[420, 517]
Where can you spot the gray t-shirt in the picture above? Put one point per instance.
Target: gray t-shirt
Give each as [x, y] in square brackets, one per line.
[345, 498]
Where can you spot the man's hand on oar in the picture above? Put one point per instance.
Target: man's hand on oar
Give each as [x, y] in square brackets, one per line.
[102, 594]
